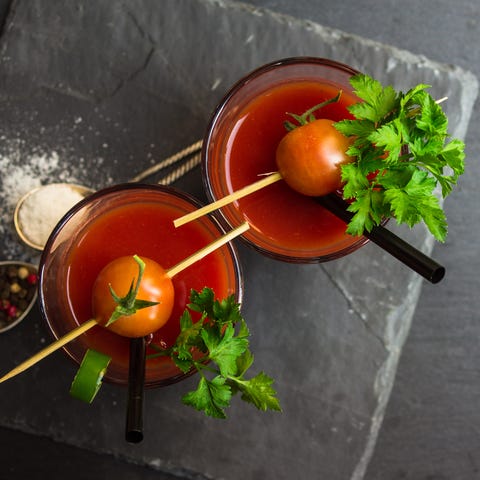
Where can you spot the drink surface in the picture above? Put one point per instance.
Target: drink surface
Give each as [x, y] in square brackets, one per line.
[281, 219]
[145, 229]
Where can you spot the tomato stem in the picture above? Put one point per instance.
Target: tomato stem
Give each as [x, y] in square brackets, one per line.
[129, 304]
[141, 269]
[308, 116]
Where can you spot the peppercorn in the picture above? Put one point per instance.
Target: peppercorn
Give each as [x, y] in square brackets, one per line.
[17, 289]
[12, 271]
[23, 272]
[12, 311]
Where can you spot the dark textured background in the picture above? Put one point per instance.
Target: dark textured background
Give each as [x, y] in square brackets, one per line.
[431, 431]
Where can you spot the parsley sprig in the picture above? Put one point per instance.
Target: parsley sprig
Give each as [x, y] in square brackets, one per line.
[217, 347]
[401, 157]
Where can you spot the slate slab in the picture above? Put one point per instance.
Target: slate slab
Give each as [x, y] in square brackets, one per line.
[94, 93]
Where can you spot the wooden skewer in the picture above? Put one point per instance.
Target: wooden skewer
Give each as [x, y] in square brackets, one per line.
[92, 322]
[243, 192]
[208, 249]
[50, 349]
[416, 110]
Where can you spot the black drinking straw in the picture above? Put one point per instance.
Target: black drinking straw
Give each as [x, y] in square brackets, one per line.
[136, 380]
[388, 241]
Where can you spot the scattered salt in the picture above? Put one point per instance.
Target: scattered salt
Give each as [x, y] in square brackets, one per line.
[24, 165]
[42, 210]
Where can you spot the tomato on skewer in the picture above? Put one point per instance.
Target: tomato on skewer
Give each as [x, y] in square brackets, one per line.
[309, 157]
[155, 286]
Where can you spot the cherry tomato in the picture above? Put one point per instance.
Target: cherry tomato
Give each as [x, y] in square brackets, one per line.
[309, 157]
[156, 286]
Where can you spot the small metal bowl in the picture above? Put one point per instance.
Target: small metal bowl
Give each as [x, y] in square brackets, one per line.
[83, 191]
[7, 325]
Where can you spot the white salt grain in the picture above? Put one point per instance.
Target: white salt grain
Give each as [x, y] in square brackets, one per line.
[43, 209]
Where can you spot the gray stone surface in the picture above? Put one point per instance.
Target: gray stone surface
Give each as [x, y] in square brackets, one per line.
[117, 85]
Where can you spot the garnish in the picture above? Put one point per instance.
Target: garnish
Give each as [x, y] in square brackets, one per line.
[129, 304]
[217, 347]
[148, 300]
[397, 155]
[88, 379]
[401, 156]
[309, 157]
[214, 335]
[308, 116]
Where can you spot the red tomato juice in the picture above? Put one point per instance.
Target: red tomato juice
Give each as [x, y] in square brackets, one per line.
[280, 218]
[145, 229]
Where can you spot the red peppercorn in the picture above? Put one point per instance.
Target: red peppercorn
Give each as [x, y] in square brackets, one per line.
[11, 311]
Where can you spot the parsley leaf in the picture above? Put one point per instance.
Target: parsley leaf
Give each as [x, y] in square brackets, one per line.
[224, 349]
[258, 391]
[368, 211]
[378, 101]
[402, 152]
[217, 347]
[211, 397]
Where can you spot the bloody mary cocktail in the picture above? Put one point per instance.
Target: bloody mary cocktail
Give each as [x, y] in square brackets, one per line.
[240, 145]
[121, 221]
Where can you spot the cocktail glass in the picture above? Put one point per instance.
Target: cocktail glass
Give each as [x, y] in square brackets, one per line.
[239, 147]
[126, 220]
